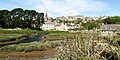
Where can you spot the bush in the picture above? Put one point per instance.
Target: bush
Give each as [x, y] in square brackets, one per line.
[84, 46]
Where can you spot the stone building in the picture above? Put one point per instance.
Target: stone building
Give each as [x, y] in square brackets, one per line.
[110, 29]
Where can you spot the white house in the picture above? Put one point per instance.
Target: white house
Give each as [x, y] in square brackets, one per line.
[60, 27]
[48, 26]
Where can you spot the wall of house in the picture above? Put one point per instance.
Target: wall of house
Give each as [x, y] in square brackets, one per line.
[48, 27]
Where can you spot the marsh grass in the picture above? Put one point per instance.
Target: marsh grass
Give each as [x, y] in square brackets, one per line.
[12, 35]
[27, 47]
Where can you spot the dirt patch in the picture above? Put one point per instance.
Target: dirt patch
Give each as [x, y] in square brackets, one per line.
[42, 54]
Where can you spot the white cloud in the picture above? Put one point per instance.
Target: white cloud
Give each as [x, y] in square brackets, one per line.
[66, 7]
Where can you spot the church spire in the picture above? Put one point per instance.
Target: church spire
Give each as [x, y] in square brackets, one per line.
[46, 16]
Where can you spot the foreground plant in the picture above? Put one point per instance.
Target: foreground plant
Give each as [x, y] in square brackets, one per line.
[86, 46]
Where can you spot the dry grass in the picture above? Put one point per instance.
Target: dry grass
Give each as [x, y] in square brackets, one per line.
[84, 47]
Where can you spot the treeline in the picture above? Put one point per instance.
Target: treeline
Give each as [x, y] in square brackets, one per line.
[112, 20]
[19, 18]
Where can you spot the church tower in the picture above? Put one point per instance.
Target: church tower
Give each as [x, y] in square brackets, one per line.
[46, 16]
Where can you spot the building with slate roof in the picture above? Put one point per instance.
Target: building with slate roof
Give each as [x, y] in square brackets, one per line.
[71, 26]
[109, 29]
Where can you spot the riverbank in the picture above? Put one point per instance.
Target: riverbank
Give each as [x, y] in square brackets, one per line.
[14, 36]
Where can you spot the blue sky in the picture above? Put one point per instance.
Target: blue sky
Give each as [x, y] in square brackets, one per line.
[57, 8]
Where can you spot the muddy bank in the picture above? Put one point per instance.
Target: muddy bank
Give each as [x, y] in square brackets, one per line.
[28, 55]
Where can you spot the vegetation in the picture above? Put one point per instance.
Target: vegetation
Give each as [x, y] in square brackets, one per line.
[112, 20]
[56, 35]
[12, 35]
[91, 25]
[21, 18]
[9, 37]
[86, 46]
[75, 21]
[27, 47]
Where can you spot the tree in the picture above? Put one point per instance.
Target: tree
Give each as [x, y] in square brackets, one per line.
[4, 18]
[16, 16]
[21, 18]
[91, 25]
[112, 20]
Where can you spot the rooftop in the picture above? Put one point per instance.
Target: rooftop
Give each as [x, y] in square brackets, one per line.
[111, 27]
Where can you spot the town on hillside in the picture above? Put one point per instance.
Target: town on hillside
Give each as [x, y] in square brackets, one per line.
[68, 23]
[30, 35]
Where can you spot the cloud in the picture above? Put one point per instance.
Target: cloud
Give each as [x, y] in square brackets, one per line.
[66, 7]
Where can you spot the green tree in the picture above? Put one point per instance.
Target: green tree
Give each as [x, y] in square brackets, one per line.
[21, 18]
[90, 25]
[112, 20]
[4, 18]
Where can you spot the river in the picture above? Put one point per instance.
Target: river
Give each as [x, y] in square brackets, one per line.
[34, 38]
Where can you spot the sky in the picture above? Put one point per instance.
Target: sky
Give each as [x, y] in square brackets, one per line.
[56, 8]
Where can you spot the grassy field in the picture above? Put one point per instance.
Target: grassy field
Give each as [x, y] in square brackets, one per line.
[57, 35]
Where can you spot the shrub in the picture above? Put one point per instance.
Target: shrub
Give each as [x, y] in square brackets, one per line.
[84, 46]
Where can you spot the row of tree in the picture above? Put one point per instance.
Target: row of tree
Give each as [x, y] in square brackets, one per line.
[19, 18]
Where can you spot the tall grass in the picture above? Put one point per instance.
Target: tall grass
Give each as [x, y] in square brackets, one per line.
[11, 35]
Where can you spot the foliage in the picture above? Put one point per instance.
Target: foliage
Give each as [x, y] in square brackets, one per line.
[91, 25]
[75, 21]
[112, 20]
[21, 18]
[85, 46]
